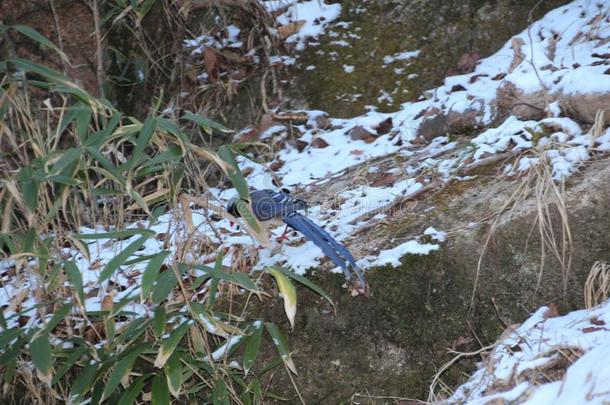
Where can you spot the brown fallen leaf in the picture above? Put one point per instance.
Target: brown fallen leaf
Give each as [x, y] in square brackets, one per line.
[276, 165]
[597, 321]
[590, 329]
[385, 180]
[265, 123]
[210, 60]
[292, 28]
[359, 133]
[384, 126]
[319, 143]
[552, 312]
[107, 303]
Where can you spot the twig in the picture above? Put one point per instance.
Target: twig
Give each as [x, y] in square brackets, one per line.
[436, 379]
[99, 57]
[60, 41]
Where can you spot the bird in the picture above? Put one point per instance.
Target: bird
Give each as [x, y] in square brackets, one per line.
[274, 208]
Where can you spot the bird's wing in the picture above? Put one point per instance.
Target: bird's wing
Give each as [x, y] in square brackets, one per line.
[331, 248]
[268, 204]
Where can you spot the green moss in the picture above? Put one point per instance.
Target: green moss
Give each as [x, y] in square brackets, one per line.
[391, 343]
[443, 31]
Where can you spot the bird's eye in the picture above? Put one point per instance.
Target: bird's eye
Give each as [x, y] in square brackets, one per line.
[285, 190]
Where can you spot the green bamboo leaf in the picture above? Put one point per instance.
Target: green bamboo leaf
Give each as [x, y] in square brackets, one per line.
[170, 127]
[145, 7]
[121, 370]
[237, 179]
[205, 123]
[65, 180]
[148, 129]
[47, 73]
[213, 288]
[174, 375]
[75, 277]
[69, 115]
[166, 282]
[84, 381]
[122, 234]
[57, 317]
[257, 391]
[81, 246]
[307, 283]
[107, 164]
[136, 196]
[169, 344]
[29, 187]
[133, 331]
[240, 279]
[220, 394]
[83, 118]
[41, 39]
[40, 351]
[69, 156]
[121, 258]
[75, 355]
[8, 372]
[9, 334]
[211, 324]
[159, 320]
[160, 391]
[13, 351]
[171, 155]
[253, 346]
[151, 272]
[72, 88]
[197, 340]
[282, 347]
[288, 291]
[131, 394]
[98, 138]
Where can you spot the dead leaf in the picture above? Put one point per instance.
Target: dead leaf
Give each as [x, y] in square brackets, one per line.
[276, 165]
[300, 145]
[590, 329]
[210, 60]
[150, 198]
[247, 171]
[385, 180]
[107, 303]
[18, 299]
[265, 123]
[552, 312]
[359, 133]
[384, 126]
[289, 29]
[597, 321]
[319, 143]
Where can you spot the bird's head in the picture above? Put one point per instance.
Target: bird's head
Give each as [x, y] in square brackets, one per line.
[232, 207]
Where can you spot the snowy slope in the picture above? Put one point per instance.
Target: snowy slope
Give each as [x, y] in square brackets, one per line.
[577, 36]
[547, 360]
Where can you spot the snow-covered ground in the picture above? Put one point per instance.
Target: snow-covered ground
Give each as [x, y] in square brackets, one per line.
[565, 54]
[549, 359]
[330, 146]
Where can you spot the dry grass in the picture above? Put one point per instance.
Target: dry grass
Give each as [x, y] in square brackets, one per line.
[597, 286]
[537, 186]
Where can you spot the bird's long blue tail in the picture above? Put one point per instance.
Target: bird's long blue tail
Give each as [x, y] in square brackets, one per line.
[331, 248]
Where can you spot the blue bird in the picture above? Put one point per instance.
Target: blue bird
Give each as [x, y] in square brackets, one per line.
[273, 208]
